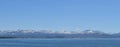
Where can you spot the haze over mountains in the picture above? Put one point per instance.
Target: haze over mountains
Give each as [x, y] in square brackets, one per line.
[56, 34]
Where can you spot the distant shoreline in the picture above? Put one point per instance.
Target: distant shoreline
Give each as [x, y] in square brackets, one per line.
[51, 38]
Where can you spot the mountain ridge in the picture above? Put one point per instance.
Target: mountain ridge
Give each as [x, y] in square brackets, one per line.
[56, 34]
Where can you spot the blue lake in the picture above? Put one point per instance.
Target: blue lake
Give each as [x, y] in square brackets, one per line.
[59, 42]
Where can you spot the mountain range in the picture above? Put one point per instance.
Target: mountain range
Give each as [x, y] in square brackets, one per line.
[56, 34]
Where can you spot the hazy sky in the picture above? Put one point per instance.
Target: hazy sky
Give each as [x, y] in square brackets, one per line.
[101, 15]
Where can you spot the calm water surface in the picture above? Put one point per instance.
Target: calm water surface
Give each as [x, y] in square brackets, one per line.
[59, 42]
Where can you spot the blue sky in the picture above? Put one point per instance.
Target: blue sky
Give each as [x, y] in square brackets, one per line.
[101, 15]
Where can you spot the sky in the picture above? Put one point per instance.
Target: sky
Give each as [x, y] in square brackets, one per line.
[103, 15]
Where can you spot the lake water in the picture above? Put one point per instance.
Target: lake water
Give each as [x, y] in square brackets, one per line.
[59, 42]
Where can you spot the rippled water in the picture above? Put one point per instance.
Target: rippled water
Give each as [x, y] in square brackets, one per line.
[59, 42]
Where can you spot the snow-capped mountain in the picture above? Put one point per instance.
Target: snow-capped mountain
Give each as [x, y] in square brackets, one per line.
[91, 31]
[54, 34]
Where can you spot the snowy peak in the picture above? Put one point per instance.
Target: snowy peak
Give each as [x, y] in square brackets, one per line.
[91, 31]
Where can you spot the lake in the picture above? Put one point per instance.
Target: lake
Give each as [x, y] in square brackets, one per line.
[59, 42]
